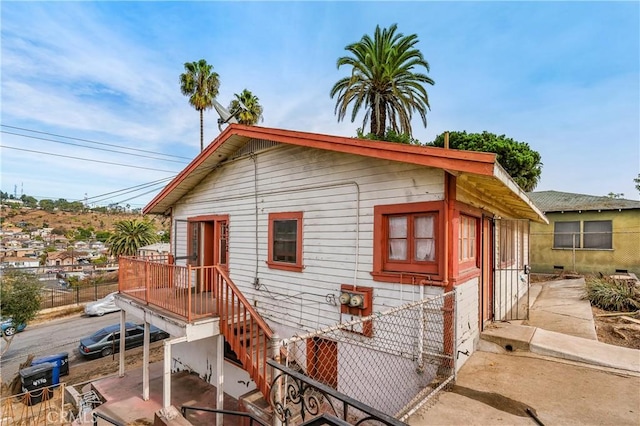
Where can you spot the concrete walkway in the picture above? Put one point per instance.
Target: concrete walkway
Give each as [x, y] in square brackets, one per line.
[550, 369]
[561, 325]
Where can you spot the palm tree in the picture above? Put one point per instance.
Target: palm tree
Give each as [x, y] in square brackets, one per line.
[246, 108]
[129, 236]
[383, 80]
[201, 84]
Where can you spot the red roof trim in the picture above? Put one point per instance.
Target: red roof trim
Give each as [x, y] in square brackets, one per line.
[467, 161]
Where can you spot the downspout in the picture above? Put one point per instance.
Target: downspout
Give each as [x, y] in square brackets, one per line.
[256, 281]
[449, 201]
[355, 272]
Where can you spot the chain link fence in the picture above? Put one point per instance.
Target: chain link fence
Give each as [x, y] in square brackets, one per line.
[585, 252]
[395, 361]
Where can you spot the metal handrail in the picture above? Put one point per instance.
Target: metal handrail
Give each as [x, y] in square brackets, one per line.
[95, 415]
[252, 418]
[299, 390]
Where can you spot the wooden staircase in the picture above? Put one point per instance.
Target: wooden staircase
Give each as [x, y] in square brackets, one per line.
[244, 329]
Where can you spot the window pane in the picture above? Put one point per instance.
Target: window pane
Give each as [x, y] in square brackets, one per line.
[398, 227]
[398, 249]
[597, 234]
[566, 234]
[425, 250]
[424, 227]
[284, 240]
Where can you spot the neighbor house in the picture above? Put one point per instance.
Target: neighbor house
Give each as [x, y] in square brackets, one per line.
[155, 249]
[586, 234]
[277, 234]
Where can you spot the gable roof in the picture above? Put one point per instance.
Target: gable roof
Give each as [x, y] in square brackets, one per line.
[555, 201]
[480, 171]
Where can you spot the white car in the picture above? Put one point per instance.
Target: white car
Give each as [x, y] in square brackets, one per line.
[102, 306]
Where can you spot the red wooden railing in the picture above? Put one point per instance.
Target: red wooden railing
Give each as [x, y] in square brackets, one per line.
[197, 292]
[185, 291]
[245, 330]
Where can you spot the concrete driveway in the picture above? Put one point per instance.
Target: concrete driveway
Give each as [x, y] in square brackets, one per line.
[554, 373]
[497, 389]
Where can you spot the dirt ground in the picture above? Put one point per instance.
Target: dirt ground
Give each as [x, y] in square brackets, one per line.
[616, 330]
[101, 367]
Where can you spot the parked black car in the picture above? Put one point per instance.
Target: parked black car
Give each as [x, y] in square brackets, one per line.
[106, 341]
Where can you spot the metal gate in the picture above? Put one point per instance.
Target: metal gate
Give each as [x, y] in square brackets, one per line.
[511, 270]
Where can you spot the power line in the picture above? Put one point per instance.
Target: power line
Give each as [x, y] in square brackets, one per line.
[94, 142]
[91, 147]
[139, 195]
[140, 186]
[154, 185]
[87, 159]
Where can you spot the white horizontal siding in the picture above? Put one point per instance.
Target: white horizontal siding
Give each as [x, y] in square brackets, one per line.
[467, 314]
[327, 187]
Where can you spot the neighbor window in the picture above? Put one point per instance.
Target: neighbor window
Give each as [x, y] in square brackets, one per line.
[566, 234]
[285, 241]
[407, 240]
[597, 234]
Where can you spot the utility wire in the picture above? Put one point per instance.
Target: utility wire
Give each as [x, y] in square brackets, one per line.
[140, 186]
[94, 142]
[155, 188]
[92, 147]
[139, 195]
[87, 159]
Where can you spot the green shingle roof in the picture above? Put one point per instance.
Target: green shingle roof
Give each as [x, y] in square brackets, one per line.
[555, 201]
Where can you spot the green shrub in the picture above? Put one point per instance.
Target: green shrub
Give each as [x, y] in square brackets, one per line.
[613, 295]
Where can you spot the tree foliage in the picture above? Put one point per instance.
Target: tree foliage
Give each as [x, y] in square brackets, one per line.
[130, 235]
[20, 297]
[246, 108]
[637, 182]
[522, 163]
[201, 84]
[383, 80]
[389, 136]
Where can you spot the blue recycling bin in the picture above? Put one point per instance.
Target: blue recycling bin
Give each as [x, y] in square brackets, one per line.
[60, 362]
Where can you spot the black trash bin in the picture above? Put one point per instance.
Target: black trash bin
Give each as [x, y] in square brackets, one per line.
[36, 380]
[61, 362]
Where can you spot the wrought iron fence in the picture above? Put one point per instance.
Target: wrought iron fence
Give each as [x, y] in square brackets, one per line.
[395, 361]
[56, 297]
[72, 284]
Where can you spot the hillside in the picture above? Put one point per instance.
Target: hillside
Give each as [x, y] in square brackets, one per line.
[35, 219]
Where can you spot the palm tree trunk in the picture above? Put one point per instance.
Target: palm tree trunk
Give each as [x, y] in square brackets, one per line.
[378, 122]
[201, 131]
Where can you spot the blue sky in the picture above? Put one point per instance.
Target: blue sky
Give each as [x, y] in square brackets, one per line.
[562, 76]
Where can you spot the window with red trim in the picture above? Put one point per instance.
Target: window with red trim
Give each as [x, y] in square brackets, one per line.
[468, 242]
[408, 240]
[507, 242]
[285, 241]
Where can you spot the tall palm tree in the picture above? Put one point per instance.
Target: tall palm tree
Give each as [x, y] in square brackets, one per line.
[383, 80]
[201, 84]
[130, 235]
[246, 108]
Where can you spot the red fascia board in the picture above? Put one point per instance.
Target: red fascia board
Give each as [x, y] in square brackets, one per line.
[466, 161]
